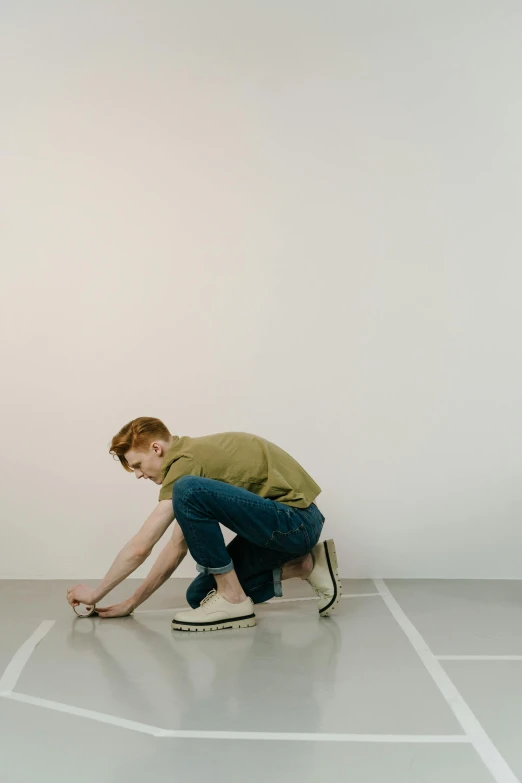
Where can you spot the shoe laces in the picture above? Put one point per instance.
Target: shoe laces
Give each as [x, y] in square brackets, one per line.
[317, 590]
[208, 598]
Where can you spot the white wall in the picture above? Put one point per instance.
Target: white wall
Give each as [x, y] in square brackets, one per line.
[298, 219]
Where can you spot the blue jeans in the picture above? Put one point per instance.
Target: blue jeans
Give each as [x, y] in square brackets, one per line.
[269, 534]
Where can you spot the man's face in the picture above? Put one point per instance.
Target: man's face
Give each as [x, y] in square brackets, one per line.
[147, 464]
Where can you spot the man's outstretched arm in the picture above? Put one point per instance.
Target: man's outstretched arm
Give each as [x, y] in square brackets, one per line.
[131, 556]
[167, 562]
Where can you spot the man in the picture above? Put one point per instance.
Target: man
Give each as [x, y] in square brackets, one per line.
[247, 484]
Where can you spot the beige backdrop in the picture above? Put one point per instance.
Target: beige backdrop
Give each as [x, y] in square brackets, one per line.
[294, 218]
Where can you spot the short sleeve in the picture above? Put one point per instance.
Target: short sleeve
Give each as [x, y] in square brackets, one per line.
[183, 466]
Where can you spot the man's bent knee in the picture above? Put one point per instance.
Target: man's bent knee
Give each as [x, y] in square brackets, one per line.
[193, 597]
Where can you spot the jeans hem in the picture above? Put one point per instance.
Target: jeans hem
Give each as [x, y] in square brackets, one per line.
[278, 587]
[222, 570]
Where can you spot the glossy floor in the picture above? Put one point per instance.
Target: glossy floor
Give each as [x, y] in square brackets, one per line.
[364, 695]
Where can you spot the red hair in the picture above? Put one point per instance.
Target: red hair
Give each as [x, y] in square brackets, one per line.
[137, 434]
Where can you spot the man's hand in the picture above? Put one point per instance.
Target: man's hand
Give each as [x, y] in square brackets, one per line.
[81, 594]
[122, 609]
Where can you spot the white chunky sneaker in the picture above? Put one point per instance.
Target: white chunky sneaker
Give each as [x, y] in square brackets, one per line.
[324, 577]
[215, 613]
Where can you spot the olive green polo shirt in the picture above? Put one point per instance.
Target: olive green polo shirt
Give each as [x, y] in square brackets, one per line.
[243, 460]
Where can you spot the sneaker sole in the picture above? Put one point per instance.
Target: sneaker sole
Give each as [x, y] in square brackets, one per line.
[241, 622]
[331, 559]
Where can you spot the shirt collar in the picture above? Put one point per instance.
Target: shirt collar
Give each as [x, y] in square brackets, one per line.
[169, 455]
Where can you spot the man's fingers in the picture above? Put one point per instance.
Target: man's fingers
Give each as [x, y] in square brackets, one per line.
[111, 611]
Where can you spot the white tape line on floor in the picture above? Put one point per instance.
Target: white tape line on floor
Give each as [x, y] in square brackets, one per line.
[496, 764]
[16, 665]
[156, 731]
[479, 657]
[314, 598]
[271, 601]
[69, 709]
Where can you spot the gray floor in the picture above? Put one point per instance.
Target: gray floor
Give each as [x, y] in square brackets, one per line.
[335, 688]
